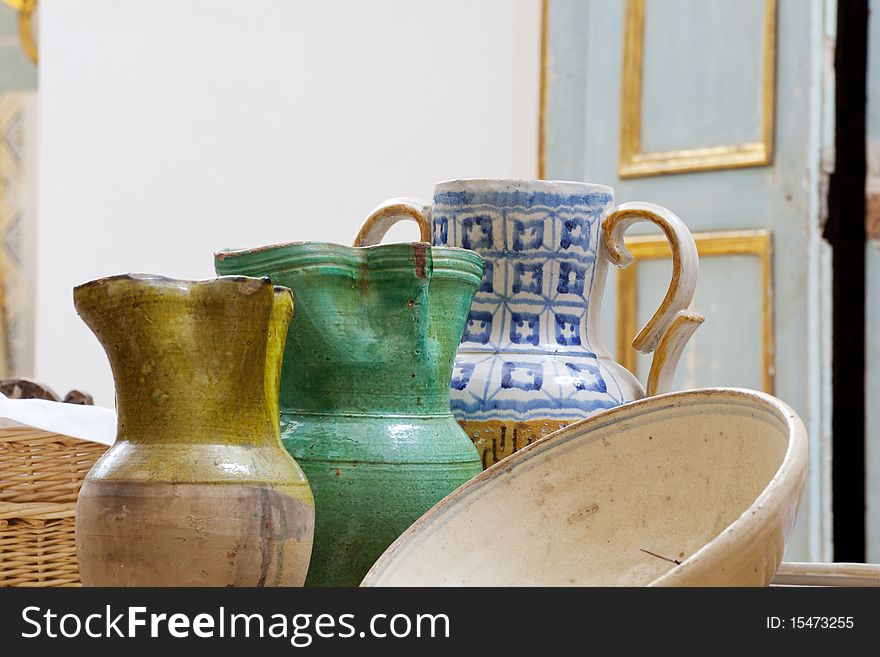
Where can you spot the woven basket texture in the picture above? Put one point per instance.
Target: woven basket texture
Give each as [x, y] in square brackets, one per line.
[40, 477]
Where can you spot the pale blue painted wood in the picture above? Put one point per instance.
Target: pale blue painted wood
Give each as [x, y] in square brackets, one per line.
[584, 111]
[679, 33]
[17, 72]
[567, 59]
[735, 321]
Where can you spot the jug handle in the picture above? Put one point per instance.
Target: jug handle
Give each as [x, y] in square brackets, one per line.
[389, 213]
[671, 326]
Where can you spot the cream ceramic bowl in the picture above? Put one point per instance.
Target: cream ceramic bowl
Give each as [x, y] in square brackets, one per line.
[696, 488]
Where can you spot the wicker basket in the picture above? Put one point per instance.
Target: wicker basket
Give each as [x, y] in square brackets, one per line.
[40, 477]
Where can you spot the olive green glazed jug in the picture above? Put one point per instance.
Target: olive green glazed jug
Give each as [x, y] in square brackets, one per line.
[197, 490]
[365, 387]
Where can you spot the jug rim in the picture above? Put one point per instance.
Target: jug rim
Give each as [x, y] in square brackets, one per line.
[522, 185]
[379, 257]
[137, 277]
[132, 282]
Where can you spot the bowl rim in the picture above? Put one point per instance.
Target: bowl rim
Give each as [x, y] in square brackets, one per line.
[787, 481]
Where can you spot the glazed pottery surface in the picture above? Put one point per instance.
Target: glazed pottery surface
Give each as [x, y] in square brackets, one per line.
[197, 489]
[531, 359]
[365, 387]
[697, 488]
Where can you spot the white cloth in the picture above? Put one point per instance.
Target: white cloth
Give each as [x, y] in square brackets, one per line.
[94, 423]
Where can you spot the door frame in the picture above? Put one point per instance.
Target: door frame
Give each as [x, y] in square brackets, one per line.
[821, 104]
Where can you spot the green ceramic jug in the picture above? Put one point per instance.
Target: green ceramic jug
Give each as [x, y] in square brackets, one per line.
[365, 387]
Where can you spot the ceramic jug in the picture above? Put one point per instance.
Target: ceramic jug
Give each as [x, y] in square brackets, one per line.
[531, 359]
[365, 387]
[197, 490]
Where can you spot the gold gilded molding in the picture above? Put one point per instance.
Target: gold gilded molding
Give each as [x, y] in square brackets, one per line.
[542, 90]
[26, 9]
[634, 163]
[26, 29]
[757, 243]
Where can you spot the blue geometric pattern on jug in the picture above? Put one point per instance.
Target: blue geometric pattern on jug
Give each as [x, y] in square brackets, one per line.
[526, 199]
[528, 277]
[593, 381]
[575, 232]
[476, 232]
[582, 377]
[525, 328]
[461, 375]
[525, 376]
[511, 408]
[528, 234]
[478, 327]
[568, 329]
[526, 281]
[540, 251]
[488, 276]
[440, 234]
[571, 278]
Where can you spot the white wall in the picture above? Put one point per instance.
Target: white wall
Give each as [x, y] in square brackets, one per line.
[170, 129]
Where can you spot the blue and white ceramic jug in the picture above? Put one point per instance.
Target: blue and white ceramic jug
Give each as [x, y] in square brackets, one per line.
[531, 358]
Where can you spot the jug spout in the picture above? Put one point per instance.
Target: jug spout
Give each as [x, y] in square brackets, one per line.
[376, 327]
[194, 360]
